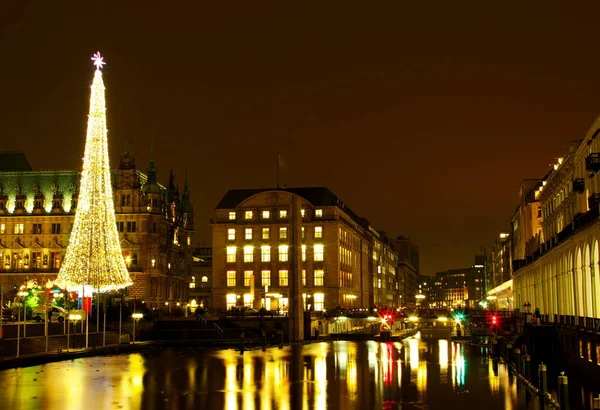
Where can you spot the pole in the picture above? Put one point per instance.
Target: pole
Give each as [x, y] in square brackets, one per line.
[563, 391]
[1, 311]
[134, 330]
[18, 331]
[46, 329]
[120, 317]
[543, 385]
[68, 331]
[87, 318]
[97, 310]
[277, 175]
[24, 318]
[104, 324]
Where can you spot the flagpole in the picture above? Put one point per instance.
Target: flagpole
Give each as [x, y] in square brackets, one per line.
[277, 169]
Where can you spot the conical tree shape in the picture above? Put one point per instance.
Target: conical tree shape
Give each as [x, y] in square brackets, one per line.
[94, 257]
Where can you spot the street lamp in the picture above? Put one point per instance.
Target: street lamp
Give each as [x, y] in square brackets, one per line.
[75, 317]
[136, 317]
[22, 294]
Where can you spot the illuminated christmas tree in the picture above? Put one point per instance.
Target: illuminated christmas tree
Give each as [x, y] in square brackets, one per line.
[94, 256]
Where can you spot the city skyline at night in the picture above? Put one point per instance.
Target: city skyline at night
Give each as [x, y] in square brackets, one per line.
[441, 117]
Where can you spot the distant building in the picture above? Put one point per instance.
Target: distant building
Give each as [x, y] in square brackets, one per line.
[407, 269]
[155, 224]
[526, 222]
[458, 287]
[263, 239]
[201, 280]
[501, 259]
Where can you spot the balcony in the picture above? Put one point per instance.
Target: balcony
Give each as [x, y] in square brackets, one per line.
[593, 200]
[592, 162]
[579, 185]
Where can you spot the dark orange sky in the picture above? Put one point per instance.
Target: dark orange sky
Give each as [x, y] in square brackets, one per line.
[423, 118]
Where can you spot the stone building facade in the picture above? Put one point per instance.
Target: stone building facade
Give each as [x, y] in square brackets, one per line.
[260, 247]
[155, 225]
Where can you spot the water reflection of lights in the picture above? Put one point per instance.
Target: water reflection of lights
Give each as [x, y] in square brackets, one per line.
[387, 360]
[413, 350]
[443, 356]
[321, 382]
[458, 365]
[231, 402]
[351, 372]
[493, 377]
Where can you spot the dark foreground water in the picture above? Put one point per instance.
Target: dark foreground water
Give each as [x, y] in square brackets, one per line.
[339, 375]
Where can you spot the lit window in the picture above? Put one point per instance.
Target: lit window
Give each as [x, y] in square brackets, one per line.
[379, 283]
[231, 253]
[230, 298]
[247, 277]
[302, 212]
[319, 276]
[18, 228]
[265, 278]
[319, 302]
[303, 277]
[319, 251]
[189, 240]
[248, 234]
[231, 216]
[265, 233]
[283, 277]
[282, 233]
[302, 229]
[283, 253]
[283, 213]
[318, 213]
[266, 214]
[248, 253]
[318, 231]
[303, 253]
[248, 215]
[265, 253]
[204, 279]
[2, 228]
[192, 285]
[230, 278]
[231, 234]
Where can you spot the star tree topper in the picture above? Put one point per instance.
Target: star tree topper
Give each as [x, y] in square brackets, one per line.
[98, 60]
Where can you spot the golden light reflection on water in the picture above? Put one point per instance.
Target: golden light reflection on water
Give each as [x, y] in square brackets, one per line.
[443, 360]
[320, 376]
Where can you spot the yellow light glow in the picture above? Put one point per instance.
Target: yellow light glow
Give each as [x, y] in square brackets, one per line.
[94, 255]
[137, 316]
[413, 318]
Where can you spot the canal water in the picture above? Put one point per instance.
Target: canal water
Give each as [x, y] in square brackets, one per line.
[412, 374]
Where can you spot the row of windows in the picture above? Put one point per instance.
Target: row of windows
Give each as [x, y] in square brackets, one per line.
[19, 228]
[265, 253]
[18, 260]
[265, 277]
[283, 233]
[283, 214]
[318, 299]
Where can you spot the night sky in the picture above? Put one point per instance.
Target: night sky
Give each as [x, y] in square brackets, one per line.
[423, 118]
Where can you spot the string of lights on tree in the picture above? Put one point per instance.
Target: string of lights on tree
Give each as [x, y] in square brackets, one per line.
[94, 257]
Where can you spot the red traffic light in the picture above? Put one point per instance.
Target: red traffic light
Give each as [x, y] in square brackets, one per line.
[494, 319]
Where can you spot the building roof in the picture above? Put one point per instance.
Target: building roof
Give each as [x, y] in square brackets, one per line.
[317, 196]
[13, 162]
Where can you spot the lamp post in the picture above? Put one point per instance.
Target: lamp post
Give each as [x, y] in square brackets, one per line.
[22, 294]
[72, 317]
[136, 317]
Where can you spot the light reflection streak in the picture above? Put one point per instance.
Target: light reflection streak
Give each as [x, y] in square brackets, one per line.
[231, 402]
[387, 362]
[493, 377]
[321, 382]
[443, 358]
[247, 384]
[351, 372]
[458, 365]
